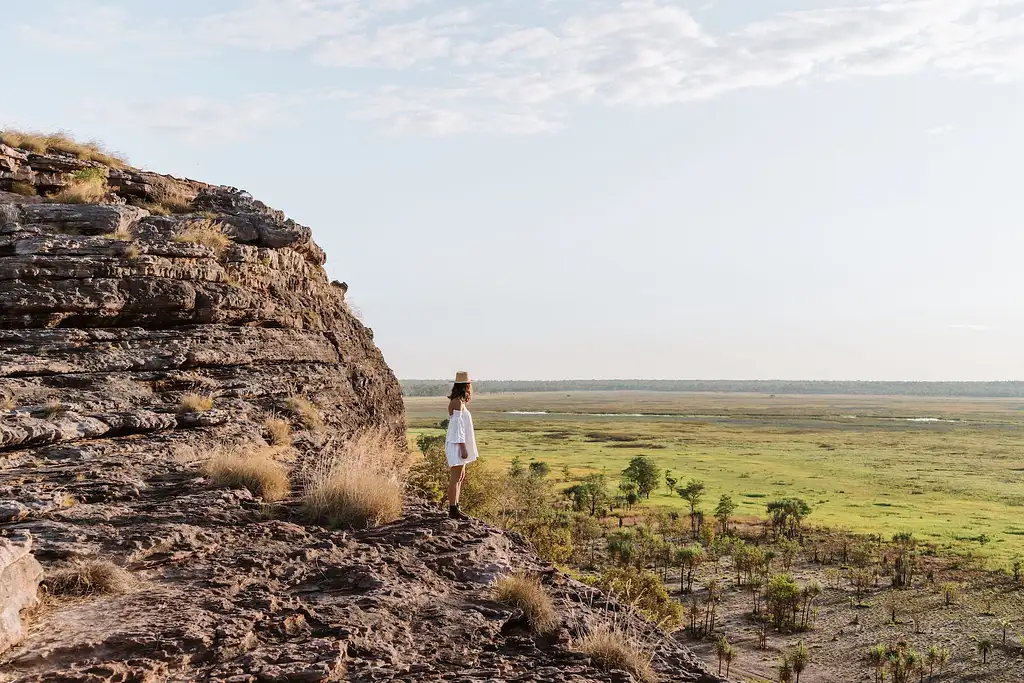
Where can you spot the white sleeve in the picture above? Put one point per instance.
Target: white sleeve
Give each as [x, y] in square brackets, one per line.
[456, 429]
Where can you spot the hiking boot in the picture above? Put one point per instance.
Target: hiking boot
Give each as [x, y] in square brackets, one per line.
[455, 513]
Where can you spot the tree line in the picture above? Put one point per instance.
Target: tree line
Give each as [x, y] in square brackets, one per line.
[1009, 389]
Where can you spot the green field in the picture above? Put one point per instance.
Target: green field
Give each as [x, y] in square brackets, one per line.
[866, 464]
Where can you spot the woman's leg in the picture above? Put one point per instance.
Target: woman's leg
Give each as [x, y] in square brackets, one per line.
[457, 474]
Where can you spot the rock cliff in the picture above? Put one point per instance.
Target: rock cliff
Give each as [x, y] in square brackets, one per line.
[136, 338]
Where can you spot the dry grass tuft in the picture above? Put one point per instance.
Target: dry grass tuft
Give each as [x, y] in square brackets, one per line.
[206, 232]
[40, 143]
[90, 577]
[360, 486]
[53, 408]
[280, 431]
[122, 234]
[195, 403]
[527, 594]
[8, 401]
[612, 649]
[132, 251]
[254, 469]
[84, 189]
[23, 188]
[305, 412]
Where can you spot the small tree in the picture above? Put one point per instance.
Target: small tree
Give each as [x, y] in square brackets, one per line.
[783, 597]
[539, 468]
[878, 659]
[785, 670]
[799, 659]
[688, 558]
[730, 655]
[724, 511]
[644, 473]
[693, 493]
[721, 647]
[950, 592]
[985, 649]
[1005, 624]
[931, 659]
[670, 481]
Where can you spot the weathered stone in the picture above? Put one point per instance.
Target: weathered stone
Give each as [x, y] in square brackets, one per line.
[19, 581]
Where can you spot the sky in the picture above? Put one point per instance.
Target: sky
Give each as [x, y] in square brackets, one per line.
[548, 189]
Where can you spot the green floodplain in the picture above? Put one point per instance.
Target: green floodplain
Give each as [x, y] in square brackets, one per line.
[950, 470]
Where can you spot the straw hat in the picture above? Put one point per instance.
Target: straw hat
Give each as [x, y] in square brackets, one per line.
[462, 377]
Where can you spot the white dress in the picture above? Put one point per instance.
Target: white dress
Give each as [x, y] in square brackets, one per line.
[460, 430]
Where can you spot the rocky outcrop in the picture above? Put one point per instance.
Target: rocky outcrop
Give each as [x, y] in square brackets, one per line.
[19, 582]
[110, 315]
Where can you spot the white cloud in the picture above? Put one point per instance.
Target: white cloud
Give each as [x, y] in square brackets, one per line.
[491, 69]
[941, 130]
[200, 119]
[972, 328]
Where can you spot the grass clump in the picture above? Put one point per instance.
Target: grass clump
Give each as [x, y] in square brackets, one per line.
[612, 649]
[256, 470]
[207, 232]
[8, 401]
[305, 412]
[360, 486]
[90, 577]
[23, 188]
[61, 142]
[527, 594]
[88, 186]
[195, 403]
[279, 431]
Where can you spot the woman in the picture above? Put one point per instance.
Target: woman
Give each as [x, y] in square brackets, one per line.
[460, 445]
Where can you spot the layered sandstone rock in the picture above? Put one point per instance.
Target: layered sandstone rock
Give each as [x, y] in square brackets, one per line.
[108, 319]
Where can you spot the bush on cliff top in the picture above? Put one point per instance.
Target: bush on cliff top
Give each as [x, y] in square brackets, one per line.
[62, 142]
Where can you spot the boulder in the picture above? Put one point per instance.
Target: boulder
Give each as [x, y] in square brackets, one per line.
[19, 582]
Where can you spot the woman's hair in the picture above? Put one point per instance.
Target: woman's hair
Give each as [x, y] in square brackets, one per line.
[460, 391]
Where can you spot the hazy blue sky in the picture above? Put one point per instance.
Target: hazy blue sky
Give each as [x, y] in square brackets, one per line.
[535, 189]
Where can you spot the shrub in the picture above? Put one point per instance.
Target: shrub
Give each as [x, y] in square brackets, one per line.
[359, 486]
[305, 412]
[279, 430]
[644, 591]
[256, 470]
[612, 649]
[195, 403]
[528, 595]
[132, 251]
[23, 188]
[207, 232]
[90, 577]
[53, 408]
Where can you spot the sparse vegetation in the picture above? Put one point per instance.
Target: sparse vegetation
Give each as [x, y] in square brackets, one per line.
[528, 595]
[253, 468]
[23, 188]
[88, 577]
[53, 408]
[358, 485]
[207, 232]
[195, 403]
[132, 251]
[612, 649]
[304, 411]
[279, 431]
[88, 186]
[60, 142]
